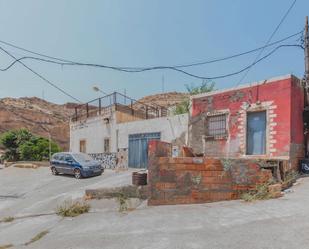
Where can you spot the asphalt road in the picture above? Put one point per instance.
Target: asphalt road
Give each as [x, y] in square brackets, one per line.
[281, 223]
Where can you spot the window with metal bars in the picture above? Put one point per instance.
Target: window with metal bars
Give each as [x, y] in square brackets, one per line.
[216, 126]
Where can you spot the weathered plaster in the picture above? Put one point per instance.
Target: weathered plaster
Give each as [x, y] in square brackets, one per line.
[281, 98]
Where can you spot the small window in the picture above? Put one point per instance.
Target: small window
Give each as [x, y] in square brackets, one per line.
[106, 145]
[216, 126]
[82, 146]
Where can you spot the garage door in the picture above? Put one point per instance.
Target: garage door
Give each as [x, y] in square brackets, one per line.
[138, 148]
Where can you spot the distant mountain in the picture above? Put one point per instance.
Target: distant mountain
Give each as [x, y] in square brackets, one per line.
[38, 116]
[42, 117]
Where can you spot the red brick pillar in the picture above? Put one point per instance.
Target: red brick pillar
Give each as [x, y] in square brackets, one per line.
[156, 149]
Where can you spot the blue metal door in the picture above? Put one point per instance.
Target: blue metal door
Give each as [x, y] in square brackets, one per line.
[138, 148]
[256, 133]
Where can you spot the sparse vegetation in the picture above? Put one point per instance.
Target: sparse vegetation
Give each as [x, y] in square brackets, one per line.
[37, 237]
[8, 219]
[290, 178]
[260, 193]
[73, 208]
[184, 106]
[6, 246]
[122, 200]
[227, 164]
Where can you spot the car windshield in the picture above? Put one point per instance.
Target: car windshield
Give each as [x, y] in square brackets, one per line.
[82, 158]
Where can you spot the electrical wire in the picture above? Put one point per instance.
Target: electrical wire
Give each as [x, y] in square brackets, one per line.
[268, 41]
[175, 66]
[139, 70]
[40, 76]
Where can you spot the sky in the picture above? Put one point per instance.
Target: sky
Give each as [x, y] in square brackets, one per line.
[143, 33]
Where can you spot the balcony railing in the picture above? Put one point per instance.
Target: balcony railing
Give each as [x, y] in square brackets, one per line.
[117, 102]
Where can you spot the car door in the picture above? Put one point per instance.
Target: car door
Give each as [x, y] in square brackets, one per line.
[68, 164]
[55, 162]
[59, 164]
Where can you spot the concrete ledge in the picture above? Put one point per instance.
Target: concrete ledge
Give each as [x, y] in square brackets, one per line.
[130, 191]
[27, 164]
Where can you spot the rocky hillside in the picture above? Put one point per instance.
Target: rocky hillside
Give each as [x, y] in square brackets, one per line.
[42, 117]
[37, 115]
[164, 99]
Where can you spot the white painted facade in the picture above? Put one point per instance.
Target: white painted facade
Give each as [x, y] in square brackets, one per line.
[94, 130]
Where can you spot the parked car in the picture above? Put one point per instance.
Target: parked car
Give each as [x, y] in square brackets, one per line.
[77, 164]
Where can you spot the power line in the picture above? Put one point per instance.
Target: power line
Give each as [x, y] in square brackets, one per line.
[268, 41]
[139, 70]
[40, 76]
[239, 54]
[33, 52]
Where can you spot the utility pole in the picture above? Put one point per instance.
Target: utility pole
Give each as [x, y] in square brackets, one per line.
[306, 87]
[49, 144]
[306, 43]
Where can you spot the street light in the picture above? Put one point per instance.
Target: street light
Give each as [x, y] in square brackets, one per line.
[97, 89]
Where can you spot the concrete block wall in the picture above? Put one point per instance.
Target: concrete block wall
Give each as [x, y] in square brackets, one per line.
[187, 180]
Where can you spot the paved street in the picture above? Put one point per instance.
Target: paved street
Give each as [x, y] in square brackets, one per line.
[280, 223]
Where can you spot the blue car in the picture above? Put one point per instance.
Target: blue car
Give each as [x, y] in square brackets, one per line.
[78, 164]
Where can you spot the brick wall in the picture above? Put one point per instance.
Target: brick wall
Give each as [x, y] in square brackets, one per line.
[198, 179]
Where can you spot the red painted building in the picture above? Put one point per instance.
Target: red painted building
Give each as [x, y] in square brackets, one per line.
[261, 120]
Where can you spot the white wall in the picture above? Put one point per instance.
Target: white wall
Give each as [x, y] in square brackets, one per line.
[94, 130]
[170, 128]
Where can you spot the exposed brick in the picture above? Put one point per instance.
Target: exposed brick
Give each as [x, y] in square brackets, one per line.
[165, 185]
[199, 180]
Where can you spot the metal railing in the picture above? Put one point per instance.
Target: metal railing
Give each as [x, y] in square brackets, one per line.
[118, 102]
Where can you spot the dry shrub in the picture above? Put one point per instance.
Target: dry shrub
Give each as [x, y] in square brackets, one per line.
[73, 208]
[260, 193]
[37, 237]
[6, 246]
[8, 219]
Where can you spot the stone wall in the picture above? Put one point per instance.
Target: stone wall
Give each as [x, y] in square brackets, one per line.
[187, 180]
[108, 160]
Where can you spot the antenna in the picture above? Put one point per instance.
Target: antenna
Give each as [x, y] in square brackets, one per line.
[163, 90]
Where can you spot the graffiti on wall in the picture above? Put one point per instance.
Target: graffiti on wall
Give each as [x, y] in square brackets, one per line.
[108, 160]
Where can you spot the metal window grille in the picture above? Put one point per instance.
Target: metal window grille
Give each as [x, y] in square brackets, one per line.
[216, 125]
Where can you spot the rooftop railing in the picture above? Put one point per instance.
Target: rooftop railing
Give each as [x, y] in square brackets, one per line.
[117, 102]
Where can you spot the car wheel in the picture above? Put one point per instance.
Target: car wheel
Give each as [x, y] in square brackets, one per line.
[77, 174]
[54, 171]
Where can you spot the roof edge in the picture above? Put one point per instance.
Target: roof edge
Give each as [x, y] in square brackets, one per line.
[282, 77]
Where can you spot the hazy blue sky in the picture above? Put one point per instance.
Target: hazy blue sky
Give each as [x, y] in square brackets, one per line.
[142, 33]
